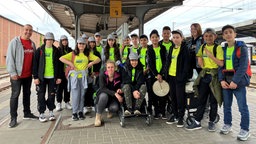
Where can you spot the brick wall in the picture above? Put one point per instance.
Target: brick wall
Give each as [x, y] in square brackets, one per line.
[8, 30]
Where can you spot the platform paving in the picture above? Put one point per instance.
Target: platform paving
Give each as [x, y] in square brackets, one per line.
[66, 131]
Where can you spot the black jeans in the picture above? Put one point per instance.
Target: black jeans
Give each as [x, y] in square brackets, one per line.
[159, 103]
[177, 97]
[204, 93]
[63, 89]
[16, 88]
[88, 97]
[41, 90]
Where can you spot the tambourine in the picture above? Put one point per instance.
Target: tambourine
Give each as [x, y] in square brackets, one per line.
[161, 89]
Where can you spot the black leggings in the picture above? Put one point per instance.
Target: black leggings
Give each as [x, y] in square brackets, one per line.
[105, 100]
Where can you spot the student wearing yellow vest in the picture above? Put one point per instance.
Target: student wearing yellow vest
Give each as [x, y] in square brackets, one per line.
[166, 34]
[234, 79]
[77, 79]
[111, 51]
[46, 72]
[124, 48]
[99, 46]
[176, 74]
[135, 43]
[210, 57]
[144, 61]
[156, 63]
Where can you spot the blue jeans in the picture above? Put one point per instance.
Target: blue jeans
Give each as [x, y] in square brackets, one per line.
[240, 94]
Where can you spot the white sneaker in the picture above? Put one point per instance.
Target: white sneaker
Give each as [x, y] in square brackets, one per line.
[93, 109]
[58, 107]
[89, 109]
[85, 110]
[68, 106]
[42, 118]
[51, 116]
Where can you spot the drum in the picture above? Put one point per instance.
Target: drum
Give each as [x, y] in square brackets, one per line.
[161, 89]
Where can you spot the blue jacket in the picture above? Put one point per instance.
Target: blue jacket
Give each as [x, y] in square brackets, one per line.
[240, 65]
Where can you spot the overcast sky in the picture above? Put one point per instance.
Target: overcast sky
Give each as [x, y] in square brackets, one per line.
[209, 13]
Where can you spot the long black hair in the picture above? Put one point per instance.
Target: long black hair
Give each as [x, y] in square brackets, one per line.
[116, 52]
[86, 50]
[63, 48]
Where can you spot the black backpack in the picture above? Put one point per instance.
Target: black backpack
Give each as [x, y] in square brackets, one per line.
[214, 49]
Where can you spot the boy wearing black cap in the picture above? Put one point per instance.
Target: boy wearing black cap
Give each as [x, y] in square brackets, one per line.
[176, 74]
[210, 56]
[234, 76]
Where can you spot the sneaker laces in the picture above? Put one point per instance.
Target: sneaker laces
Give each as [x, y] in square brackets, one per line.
[226, 127]
[242, 132]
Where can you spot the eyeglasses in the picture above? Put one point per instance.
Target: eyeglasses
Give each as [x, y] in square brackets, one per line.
[81, 43]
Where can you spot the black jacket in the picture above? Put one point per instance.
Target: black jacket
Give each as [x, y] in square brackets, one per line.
[127, 76]
[161, 42]
[106, 86]
[39, 63]
[62, 52]
[152, 60]
[182, 63]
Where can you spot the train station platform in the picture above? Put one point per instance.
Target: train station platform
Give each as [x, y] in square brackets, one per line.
[66, 131]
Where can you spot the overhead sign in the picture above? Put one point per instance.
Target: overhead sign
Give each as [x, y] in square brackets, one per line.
[115, 8]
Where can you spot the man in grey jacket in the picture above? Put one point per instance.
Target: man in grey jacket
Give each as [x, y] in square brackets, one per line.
[19, 65]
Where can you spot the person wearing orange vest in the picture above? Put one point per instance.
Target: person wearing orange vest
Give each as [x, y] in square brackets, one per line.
[234, 79]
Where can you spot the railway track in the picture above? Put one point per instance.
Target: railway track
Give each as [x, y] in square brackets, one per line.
[4, 81]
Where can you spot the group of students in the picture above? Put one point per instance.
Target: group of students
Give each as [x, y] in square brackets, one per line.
[123, 73]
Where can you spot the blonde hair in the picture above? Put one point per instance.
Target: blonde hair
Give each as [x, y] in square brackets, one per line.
[110, 62]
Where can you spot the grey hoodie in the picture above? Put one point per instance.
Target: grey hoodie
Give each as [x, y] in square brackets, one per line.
[15, 56]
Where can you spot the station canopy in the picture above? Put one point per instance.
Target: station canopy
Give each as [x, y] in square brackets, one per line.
[91, 16]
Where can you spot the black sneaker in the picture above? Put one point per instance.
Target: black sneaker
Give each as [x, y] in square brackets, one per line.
[81, 116]
[180, 123]
[157, 116]
[164, 117]
[171, 120]
[30, 116]
[75, 117]
[194, 126]
[13, 123]
[211, 127]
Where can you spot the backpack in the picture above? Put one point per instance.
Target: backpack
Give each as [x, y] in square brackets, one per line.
[248, 71]
[68, 68]
[214, 49]
[238, 55]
